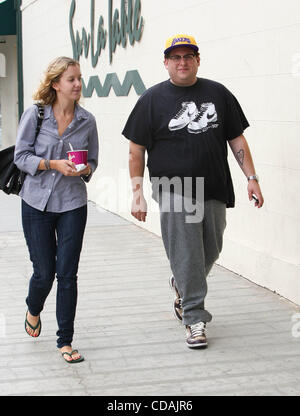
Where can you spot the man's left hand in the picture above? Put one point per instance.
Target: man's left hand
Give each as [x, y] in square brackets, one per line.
[254, 189]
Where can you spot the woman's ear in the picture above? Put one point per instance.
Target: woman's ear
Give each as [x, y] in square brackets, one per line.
[55, 86]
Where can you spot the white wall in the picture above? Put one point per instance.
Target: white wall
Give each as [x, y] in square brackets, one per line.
[251, 46]
[2, 65]
[9, 91]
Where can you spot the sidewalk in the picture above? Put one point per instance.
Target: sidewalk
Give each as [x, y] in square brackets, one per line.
[125, 327]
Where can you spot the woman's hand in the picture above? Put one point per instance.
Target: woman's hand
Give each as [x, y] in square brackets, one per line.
[86, 172]
[66, 167]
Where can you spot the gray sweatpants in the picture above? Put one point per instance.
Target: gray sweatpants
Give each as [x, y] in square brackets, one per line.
[192, 249]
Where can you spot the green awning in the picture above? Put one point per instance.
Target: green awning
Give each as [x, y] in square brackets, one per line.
[8, 24]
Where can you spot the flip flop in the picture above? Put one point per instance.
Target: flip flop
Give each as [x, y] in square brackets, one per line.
[78, 360]
[33, 327]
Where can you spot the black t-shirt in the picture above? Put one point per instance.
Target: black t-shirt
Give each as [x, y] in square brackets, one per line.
[185, 131]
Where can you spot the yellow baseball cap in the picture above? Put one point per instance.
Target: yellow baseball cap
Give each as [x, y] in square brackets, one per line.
[180, 40]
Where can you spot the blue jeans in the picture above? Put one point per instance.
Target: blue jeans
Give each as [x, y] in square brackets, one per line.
[54, 241]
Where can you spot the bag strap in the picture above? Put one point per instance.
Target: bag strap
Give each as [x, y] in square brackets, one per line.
[40, 119]
[38, 128]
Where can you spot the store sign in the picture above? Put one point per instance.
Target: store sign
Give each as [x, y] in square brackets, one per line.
[123, 25]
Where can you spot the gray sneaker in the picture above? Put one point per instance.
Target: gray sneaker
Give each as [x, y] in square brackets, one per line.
[195, 335]
[177, 303]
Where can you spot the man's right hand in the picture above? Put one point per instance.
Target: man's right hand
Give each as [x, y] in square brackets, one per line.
[136, 169]
[139, 208]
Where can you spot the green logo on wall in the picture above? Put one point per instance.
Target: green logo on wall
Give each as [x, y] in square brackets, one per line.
[126, 24]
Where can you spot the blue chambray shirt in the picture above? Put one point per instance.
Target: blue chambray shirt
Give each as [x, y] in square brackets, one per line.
[50, 190]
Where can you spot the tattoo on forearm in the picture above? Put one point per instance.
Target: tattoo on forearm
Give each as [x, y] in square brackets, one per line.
[240, 156]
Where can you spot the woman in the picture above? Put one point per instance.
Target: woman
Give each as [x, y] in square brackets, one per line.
[54, 197]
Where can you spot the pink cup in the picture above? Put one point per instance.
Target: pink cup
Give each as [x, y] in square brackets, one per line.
[78, 157]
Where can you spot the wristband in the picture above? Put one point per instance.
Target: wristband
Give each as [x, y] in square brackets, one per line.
[255, 177]
[47, 164]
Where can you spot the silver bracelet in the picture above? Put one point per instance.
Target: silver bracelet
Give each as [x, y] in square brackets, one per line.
[47, 164]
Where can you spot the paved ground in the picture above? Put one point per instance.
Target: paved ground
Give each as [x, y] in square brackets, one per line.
[125, 326]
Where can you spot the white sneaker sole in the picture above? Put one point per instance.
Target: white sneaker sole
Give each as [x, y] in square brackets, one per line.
[197, 346]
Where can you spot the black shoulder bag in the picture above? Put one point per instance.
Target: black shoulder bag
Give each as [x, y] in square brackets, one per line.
[12, 178]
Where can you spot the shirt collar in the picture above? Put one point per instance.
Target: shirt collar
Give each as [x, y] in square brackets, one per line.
[47, 111]
[80, 113]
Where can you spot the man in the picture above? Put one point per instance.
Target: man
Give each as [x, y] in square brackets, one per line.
[184, 124]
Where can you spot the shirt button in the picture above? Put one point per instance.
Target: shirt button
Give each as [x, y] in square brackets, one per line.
[53, 174]
[49, 190]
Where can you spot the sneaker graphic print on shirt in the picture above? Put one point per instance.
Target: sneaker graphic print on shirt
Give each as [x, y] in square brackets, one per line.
[184, 116]
[197, 121]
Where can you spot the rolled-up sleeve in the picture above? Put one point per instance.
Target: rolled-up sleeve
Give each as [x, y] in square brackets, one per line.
[93, 148]
[25, 157]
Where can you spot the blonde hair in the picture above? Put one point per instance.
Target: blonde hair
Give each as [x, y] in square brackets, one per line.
[45, 93]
